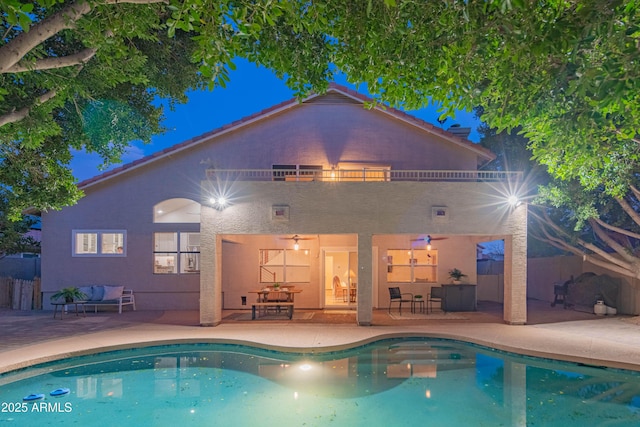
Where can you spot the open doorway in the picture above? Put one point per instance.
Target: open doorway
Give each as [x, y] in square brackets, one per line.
[340, 278]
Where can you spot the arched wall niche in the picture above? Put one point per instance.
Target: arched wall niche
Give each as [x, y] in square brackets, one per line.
[176, 211]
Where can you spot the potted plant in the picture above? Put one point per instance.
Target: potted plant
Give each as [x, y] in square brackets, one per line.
[69, 294]
[276, 286]
[417, 296]
[456, 275]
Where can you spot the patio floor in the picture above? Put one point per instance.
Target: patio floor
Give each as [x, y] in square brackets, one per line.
[30, 337]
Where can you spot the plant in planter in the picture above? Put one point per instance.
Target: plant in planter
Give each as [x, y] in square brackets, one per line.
[456, 275]
[68, 295]
[276, 286]
[417, 296]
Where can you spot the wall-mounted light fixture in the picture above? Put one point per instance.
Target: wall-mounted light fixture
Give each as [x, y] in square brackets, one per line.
[219, 202]
[514, 201]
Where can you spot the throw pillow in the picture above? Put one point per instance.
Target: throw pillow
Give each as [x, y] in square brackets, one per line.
[112, 292]
[98, 293]
[87, 291]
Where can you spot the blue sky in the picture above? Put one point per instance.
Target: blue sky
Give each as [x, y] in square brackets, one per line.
[251, 90]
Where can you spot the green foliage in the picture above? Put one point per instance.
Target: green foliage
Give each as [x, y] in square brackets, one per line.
[69, 294]
[99, 106]
[563, 75]
[14, 238]
[456, 274]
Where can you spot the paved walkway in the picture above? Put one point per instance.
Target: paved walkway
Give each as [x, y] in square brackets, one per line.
[33, 337]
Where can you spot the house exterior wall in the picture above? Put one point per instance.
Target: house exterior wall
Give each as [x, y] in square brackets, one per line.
[126, 205]
[354, 214]
[384, 210]
[328, 134]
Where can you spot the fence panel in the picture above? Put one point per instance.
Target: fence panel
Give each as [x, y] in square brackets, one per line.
[19, 294]
[6, 292]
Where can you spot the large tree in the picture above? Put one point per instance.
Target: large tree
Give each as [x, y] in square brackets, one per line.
[84, 75]
[564, 217]
[564, 71]
[81, 76]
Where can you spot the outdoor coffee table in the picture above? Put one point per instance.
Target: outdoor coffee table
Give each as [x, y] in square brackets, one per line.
[63, 304]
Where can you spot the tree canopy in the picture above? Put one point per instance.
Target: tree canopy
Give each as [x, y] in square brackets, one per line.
[83, 74]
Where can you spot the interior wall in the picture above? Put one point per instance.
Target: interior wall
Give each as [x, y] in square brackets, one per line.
[453, 252]
[241, 272]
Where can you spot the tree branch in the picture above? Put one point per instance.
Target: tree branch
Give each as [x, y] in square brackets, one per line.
[623, 263]
[602, 259]
[20, 114]
[617, 229]
[553, 240]
[79, 58]
[13, 52]
[620, 250]
[611, 267]
[628, 209]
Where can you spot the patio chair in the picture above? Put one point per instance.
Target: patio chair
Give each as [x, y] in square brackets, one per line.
[339, 288]
[434, 296]
[396, 296]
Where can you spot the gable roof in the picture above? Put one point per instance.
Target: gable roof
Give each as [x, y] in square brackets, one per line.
[344, 95]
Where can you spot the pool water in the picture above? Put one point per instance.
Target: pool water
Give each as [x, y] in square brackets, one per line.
[395, 382]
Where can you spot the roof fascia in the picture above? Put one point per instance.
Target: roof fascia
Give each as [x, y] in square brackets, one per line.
[170, 151]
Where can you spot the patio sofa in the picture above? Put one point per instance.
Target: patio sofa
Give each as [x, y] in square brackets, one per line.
[105, 295]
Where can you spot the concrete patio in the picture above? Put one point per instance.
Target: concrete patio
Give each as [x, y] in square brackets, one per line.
[31, 337]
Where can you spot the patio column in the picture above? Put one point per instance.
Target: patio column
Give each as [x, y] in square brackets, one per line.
[210, 271]
[364, 314]
[515, 269]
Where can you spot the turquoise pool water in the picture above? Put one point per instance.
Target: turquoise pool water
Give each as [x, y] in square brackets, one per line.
[398, 382]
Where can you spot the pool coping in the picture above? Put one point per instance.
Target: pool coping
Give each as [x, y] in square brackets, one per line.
[544, 341]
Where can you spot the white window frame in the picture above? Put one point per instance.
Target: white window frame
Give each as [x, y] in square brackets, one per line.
[98, 239]
[284, 266]
[177, 254]
[412, 264]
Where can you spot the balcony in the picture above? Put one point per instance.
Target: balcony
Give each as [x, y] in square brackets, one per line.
[361, 175]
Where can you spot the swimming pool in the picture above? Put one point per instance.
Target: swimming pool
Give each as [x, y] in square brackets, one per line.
[410, 381]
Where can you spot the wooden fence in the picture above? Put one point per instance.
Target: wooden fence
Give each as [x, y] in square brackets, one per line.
[19, 294]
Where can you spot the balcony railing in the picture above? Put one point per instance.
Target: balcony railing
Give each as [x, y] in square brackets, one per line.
[360, 175]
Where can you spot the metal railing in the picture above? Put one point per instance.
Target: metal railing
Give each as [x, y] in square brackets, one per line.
[360, 175]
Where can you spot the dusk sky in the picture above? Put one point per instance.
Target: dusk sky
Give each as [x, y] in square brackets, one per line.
[251, 90]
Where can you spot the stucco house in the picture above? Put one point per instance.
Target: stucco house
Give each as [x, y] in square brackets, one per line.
[338, 200]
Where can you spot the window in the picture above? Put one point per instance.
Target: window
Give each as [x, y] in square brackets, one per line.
[99, 242]
[284, 266]
[297, 173]
[363, 172]
[412, 265]
[176, 252]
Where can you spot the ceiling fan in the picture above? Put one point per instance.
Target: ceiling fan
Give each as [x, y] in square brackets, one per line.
[295, 239]
[427, 239]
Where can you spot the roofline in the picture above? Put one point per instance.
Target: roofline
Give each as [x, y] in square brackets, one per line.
[277, 109]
